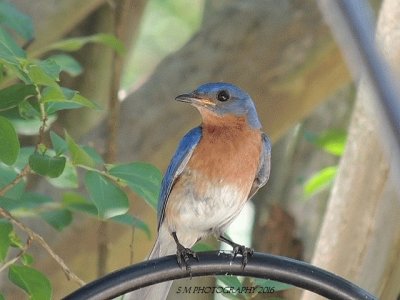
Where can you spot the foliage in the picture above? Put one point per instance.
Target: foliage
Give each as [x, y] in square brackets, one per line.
[333, 142]
[30, 99]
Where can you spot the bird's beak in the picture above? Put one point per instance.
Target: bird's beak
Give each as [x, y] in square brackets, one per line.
[195, 100]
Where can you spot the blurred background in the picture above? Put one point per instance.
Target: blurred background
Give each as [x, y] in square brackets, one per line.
[330, 199]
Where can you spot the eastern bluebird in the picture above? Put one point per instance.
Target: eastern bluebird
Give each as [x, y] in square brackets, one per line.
[217, 167]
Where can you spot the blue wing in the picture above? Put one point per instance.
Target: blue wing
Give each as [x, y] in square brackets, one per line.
[264, 166]
[175, 168]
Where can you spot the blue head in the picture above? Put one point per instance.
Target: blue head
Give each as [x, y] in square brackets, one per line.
[223, 99]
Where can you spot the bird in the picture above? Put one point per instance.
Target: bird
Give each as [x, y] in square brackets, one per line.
[217, 167]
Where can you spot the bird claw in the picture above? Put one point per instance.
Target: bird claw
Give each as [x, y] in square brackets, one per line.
[183, 255]
[244, 251]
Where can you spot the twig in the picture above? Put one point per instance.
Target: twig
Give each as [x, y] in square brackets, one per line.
[38, 238]
[18, 256]
[24, 172]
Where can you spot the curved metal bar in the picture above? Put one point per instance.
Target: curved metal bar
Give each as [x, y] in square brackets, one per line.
[260, 265]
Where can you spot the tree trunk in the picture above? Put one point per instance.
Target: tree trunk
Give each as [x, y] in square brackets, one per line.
[360, 237]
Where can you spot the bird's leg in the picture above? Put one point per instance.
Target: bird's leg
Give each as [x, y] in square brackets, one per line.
[238, 249]
[183, 253]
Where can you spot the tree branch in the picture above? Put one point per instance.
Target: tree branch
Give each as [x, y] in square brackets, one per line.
[38, 238]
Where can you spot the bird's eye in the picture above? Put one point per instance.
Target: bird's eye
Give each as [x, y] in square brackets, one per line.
[223, 96]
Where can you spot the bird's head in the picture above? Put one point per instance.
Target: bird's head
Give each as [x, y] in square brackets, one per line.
[223, 99]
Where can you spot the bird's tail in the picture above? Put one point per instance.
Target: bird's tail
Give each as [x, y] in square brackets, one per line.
[157, 291]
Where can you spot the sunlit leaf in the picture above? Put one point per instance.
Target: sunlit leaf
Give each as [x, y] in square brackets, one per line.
[5, 241]
[46, 165]
[33, 282]
[68, 64]
[320, 180]
[143, 178]
[16, 20]
[332, 141]
[57, 218]
[78, 155]
[13, 95]
[109, 199]
[9, 143]
[130, 220]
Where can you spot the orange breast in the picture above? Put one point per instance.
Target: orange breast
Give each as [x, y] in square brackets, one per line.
[228, 153]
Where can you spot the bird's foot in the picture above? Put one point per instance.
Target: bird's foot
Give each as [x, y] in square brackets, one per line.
[183, 255]
[244, 251]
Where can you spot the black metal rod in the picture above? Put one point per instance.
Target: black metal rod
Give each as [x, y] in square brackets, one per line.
[260, 265]
[361, 29]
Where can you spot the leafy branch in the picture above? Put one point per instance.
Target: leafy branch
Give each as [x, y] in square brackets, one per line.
[31, 98]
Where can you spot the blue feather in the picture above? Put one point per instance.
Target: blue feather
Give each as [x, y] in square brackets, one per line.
[176, 166]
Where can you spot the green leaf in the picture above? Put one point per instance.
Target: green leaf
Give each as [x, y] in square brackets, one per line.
[8, 174]
[68, 64]
[5, 241]
[78, 155]
[57, 218]
[50, 67]
[9, 143]
[66, 96]
[27, 259]
[68, 178]
[52, 107]
[76, 202]
[276, 285]
[59, 145]
[231, 281]
[320, 180]
[10, 52]
[74, 44]
[94, 155]
[130, 220]
[16, 20]
[143, 178]
[202, 247]
[45, 165]
[27, 202]
[30, 126]
[332, 141]
[13, 95]
[109, 199]
[28, 111]
[16, 241]
[2, 297]
[42, 76]
[33, 282]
